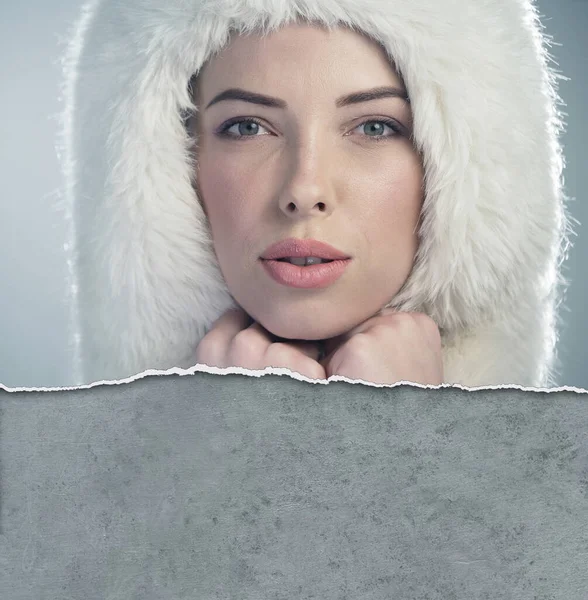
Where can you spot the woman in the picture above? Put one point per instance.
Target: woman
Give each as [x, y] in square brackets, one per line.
[214, 148]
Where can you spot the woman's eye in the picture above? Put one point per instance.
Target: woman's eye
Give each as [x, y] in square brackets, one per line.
[379, 128]
[244, 128]
[375, 129]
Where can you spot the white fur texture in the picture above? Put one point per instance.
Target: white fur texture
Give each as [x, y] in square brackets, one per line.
[485, 120]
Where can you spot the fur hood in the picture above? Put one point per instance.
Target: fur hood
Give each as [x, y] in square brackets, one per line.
[485, 120]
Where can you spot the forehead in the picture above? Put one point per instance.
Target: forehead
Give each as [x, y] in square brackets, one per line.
[301, 51]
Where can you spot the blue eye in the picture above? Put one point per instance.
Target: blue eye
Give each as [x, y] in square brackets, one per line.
[377, 128]
[241, 128]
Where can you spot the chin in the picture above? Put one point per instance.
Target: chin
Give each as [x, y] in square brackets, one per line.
[305, 329]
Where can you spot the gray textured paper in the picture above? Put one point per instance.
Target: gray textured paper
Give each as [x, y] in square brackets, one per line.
[229, 487]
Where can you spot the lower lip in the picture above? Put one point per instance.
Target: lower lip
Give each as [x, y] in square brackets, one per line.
[311, 277]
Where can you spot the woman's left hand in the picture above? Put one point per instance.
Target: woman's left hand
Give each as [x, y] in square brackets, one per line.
[390, 347]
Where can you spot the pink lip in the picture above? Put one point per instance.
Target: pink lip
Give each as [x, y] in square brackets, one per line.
[312, 276]
[300, 248]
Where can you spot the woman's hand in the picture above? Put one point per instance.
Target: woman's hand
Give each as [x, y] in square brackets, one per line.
[388, 348]
[233, 342]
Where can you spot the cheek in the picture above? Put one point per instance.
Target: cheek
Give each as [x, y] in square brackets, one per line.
[391, 211]
[227, 194]
[408, 198]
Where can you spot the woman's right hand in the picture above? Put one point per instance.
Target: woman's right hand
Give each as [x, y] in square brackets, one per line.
[233, 342]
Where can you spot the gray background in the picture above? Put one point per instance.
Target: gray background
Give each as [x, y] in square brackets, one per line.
[35, 345]
[232, 488]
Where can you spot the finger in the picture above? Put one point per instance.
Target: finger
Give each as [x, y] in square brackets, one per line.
[310, 368]
[280, 355]
[213, 348]
[430, 329]
[310, 349]
[251, 345]
[248, 347]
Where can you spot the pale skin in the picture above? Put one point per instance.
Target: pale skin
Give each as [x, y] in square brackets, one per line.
[313, 166]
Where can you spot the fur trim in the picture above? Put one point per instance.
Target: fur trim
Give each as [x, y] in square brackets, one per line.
[485, 120]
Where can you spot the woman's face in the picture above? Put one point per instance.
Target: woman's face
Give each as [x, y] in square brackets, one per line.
[310, 155]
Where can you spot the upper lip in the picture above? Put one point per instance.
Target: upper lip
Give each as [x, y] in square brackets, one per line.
[296, 248]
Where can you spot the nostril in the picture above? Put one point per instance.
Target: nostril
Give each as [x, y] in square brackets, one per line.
[291, 207]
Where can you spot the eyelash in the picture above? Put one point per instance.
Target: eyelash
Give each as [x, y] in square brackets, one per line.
[222, 131]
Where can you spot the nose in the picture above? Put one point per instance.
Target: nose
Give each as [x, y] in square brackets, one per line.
[308, 190]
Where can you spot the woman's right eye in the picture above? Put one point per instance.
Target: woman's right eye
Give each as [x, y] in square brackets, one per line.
[243, 128]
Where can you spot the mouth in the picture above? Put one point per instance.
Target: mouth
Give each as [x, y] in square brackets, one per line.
[305, 264]
[303, 252]
[304, 261]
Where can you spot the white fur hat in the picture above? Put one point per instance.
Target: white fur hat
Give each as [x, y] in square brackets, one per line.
[485, 120]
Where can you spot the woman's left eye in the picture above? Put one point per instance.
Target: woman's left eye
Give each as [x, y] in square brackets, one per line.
[379, 128]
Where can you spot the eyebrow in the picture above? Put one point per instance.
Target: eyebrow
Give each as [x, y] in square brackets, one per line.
[354, 98]
[373, 94]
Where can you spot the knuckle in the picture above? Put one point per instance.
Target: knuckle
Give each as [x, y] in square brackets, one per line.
[245, 343]
[381, 329]
[285, 356]
[395, 320]
[431, 333]
[280, 353]
[206, 343]
[316, 371]
[207, 351]
[245, 350]
[409, 320]
[428, 324]
[359, 344]
[309, 368]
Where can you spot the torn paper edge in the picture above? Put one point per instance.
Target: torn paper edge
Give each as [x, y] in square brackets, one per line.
[283, 371]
